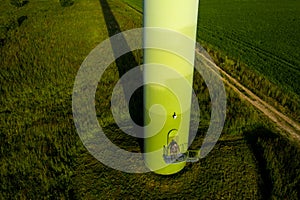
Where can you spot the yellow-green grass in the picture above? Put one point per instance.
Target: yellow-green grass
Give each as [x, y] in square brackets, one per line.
[41, 155]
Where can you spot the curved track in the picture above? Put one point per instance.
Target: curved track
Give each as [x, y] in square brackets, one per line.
[282, 121]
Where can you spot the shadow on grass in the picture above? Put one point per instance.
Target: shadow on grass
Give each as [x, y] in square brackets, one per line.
[124, 64]
[19, 3]
[66, 3]
[278, 160]
[265, 184]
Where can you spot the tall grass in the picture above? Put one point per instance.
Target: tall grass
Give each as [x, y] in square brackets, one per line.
[39, 62]
[285, 101]
[41, 155]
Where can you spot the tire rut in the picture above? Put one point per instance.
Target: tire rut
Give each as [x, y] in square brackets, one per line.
[281, 120]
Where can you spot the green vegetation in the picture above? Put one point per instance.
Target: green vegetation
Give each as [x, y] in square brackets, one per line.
[284, 101]
[39, 62]
[262, 34]
[275, 156]
[18, 3]
[138, 5]
[261, 39]
[251, 44]
[41, 155]
[66, 3]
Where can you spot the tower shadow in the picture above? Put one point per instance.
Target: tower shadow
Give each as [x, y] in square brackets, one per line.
[124, 64]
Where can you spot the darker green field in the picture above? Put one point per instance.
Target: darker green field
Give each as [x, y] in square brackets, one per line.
[41, 154]
[263, 34]
[255, 42]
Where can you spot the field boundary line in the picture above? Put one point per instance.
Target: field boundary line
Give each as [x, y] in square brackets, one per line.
[281, 120]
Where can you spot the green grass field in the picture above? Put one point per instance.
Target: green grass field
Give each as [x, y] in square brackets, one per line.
[263, 34]
[41, 155]
[258, 46]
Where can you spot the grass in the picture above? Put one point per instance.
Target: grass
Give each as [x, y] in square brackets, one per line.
[138, 5]
[39, 61]
[254, 46]
[41, 155]
[206, 179]
[262, 34]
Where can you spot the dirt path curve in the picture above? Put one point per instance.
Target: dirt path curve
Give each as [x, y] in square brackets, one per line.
[281, 120]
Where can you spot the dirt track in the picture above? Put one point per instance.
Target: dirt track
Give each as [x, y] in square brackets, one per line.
[282, 121]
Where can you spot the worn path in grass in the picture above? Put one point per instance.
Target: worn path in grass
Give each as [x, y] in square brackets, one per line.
[282, 121]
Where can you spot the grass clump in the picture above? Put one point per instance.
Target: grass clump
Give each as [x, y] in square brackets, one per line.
[66, 3]
[18, 3]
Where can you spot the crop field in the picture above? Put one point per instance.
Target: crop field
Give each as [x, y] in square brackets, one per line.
[263, 34]
[42, 45]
